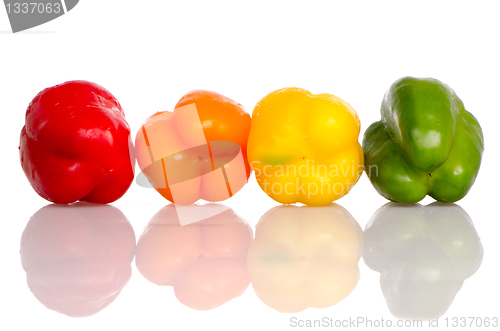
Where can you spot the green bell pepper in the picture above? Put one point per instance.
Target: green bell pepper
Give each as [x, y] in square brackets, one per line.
[425, 144]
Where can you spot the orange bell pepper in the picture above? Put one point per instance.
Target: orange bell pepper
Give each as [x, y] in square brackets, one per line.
[198, 151]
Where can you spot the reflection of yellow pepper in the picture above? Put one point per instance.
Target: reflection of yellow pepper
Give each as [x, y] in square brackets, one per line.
[304, 147]
[305, 257]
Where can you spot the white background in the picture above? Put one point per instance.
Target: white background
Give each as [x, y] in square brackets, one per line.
[150, 53]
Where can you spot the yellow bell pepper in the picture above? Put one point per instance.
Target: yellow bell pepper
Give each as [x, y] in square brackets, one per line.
[304, 147]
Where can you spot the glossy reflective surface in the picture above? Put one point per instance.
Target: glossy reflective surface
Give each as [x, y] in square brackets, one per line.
[77, 258]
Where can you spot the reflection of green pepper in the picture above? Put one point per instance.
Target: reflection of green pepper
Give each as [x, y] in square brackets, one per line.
[426, 143]
[424, 254]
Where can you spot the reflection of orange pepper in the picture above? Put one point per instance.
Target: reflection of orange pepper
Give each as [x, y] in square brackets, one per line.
[205, 261]
[198, 151]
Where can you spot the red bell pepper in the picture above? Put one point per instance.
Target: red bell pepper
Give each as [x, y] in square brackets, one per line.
[76, 144]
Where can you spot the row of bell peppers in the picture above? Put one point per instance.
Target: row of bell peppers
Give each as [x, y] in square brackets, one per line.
[77, 145]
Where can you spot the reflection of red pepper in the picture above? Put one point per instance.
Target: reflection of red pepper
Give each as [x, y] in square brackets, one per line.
[76, 144]
[77, 257]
